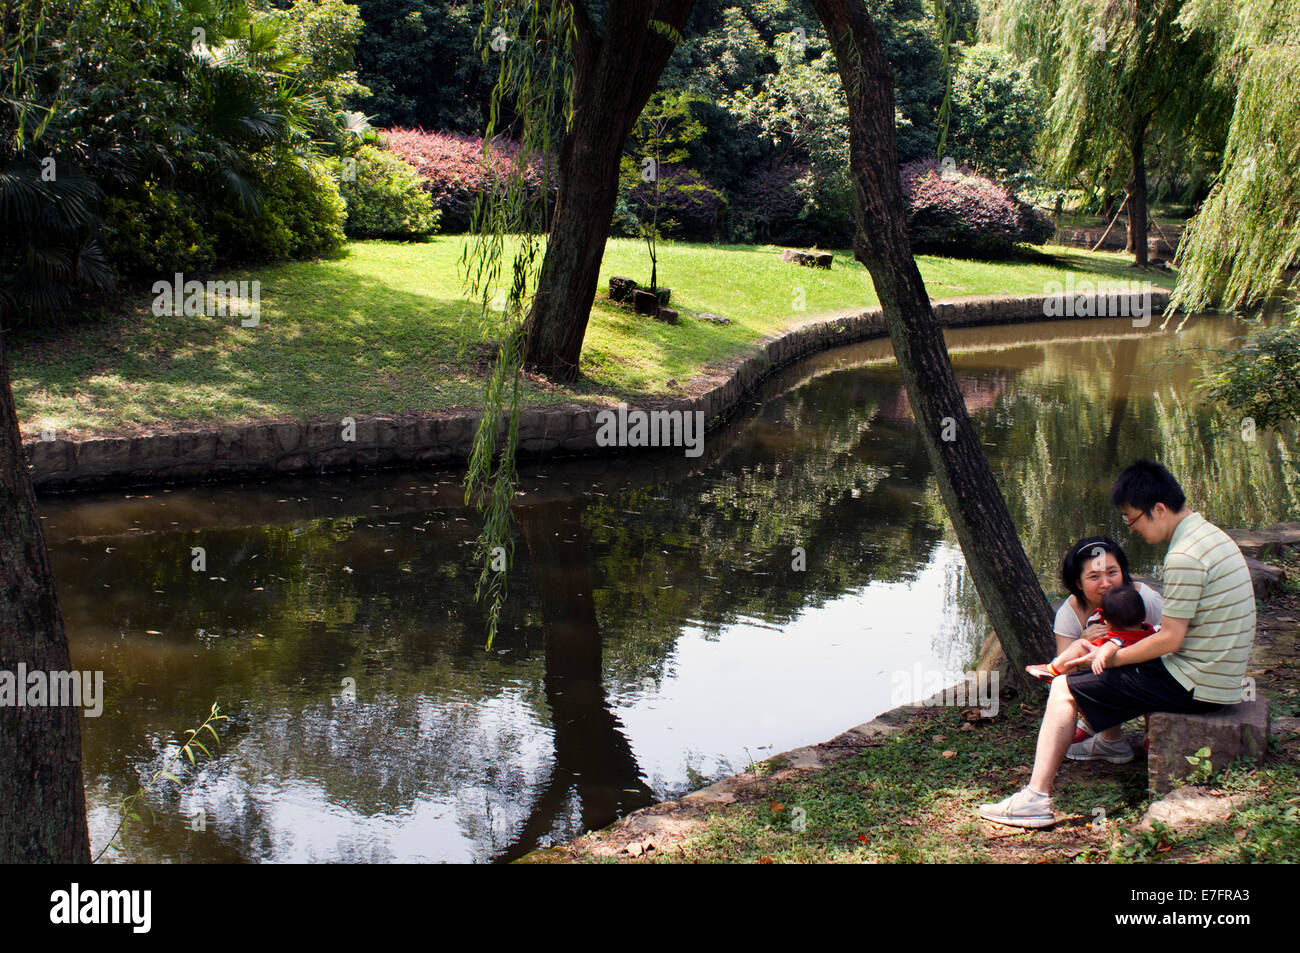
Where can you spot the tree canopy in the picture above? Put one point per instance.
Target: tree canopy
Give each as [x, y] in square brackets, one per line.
[1238, 249]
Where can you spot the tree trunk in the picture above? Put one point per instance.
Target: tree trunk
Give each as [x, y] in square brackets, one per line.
[1128, 212]
[613, 78]
[1006, 582]
[42, 797]
[566, 287]
[1137, 208]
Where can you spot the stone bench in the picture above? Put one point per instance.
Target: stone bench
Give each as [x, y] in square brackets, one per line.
[1234, 732]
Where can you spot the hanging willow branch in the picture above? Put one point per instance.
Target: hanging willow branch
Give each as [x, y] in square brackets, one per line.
[1238, 250]
[532, 39]
[947, 28]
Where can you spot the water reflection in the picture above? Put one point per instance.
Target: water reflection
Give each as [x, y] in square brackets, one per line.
[658, 634]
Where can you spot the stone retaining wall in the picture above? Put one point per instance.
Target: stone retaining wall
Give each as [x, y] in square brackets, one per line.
[317, 446]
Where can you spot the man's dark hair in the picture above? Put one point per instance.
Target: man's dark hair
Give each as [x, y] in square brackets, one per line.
[1144, 484]
[1123, 608]
[1078, 556]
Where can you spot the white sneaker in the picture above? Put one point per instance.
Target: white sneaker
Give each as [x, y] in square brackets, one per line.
[1022, 809]
[1098, 748]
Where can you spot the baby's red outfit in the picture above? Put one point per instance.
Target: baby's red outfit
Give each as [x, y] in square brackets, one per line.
[1126, 636]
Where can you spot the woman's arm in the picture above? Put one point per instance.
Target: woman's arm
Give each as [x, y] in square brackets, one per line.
[1068, 626]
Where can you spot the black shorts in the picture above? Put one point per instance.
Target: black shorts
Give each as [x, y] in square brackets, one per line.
[1118, 694]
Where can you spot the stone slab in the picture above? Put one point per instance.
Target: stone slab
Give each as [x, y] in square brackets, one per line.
[1262, 543]
[1235, 731]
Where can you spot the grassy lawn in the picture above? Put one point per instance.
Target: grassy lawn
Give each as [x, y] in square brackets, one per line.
[378, 330]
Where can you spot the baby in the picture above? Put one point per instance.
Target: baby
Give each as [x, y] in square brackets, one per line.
[1123, 610]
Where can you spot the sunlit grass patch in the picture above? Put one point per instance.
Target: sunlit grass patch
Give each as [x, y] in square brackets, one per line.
[380, 330]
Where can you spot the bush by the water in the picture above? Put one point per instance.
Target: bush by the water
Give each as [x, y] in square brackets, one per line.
[455, 170]
[385, 197]
[954, 211]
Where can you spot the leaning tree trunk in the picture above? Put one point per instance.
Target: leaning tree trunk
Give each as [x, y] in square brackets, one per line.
[613, 77]
[1137, 202]
[42, 797]
[1006, 582]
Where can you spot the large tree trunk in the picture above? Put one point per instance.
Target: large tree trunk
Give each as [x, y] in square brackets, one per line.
[613, 78]
[1006, 582]
[1137, 200]
[42, 797]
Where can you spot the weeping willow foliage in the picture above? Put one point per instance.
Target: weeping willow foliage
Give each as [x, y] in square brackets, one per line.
[1247, 234]
[946, 26]
[532, 40]
[1114, 69]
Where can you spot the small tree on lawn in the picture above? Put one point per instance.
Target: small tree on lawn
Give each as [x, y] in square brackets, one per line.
[660, 138]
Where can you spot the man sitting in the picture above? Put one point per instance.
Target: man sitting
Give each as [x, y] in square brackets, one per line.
[1195, 663]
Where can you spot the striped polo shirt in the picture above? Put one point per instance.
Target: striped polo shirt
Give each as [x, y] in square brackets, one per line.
[1207, 582]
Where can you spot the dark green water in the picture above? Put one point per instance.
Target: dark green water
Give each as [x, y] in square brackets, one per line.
[657, 636]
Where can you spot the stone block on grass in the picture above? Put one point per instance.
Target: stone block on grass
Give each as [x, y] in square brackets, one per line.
[621, 288]
[645, 302]
[1236, 731]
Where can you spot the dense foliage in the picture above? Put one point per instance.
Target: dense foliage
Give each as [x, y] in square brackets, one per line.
[456, 171]
[1258, 377]
[997, 112]
[385, 197]
[952, 209]
[181, 135]
[418, 59]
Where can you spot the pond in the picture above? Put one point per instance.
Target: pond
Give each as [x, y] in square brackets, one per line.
[670, 619]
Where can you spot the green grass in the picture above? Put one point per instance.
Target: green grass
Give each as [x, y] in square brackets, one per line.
[377, 330]
[906, 802]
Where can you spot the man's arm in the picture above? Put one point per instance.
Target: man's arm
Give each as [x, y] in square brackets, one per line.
[1168, 639]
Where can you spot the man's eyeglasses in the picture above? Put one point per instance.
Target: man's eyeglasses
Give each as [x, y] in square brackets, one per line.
[1130, 523]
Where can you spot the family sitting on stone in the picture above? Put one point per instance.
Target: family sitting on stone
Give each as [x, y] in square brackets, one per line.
[1185, 653]
[1123, 612]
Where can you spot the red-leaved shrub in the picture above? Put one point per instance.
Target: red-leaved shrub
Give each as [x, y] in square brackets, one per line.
[957, 211]
[688, 208]
[455, 170]
[767, 205]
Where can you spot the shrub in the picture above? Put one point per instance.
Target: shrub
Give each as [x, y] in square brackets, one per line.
[767, 204]
[688, 206]
[963, 213]
[386, 198]
[300, 216]
[151, 231]
[455, 170]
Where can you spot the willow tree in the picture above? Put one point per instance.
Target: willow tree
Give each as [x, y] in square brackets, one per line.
[1118, 74]
[1238, 249]
[574, 77]
[1003, 576]
[42, 797]
[615, 53]
[1242, 247]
